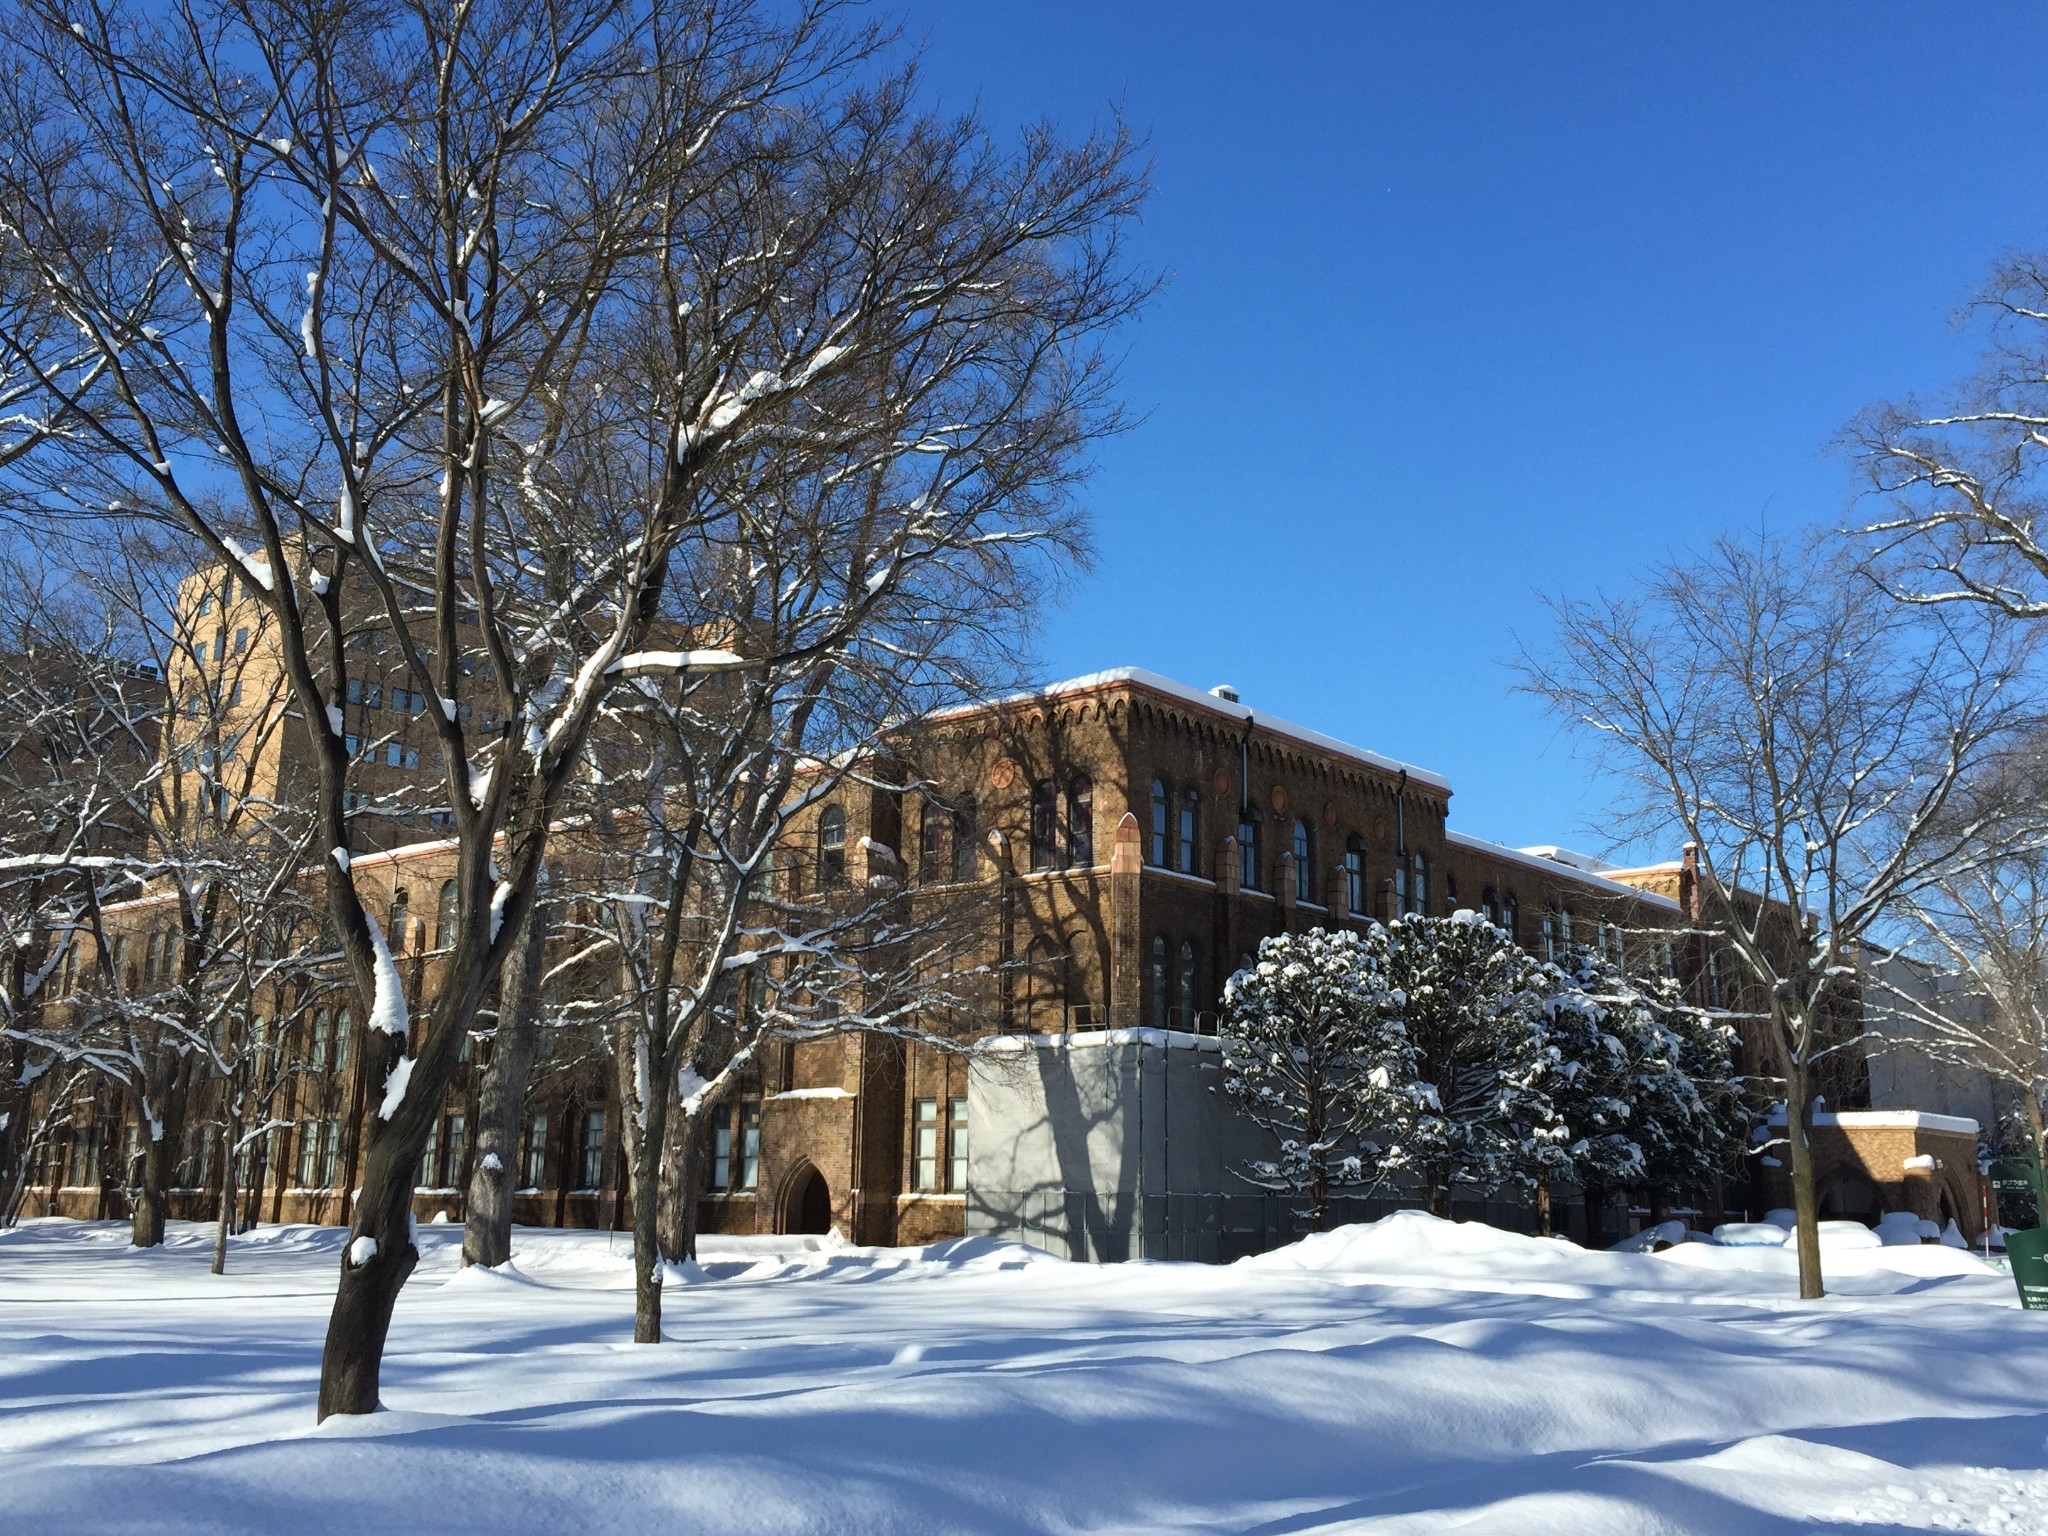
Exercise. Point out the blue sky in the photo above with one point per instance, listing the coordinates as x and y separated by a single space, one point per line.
1469 304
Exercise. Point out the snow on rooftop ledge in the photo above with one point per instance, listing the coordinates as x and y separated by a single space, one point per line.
1216 701
1566 857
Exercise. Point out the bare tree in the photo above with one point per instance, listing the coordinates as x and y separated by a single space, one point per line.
367 287
1966 986
1809 737
1962 480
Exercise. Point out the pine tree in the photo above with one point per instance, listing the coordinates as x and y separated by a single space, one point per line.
1609 1051
1691 1121
1469 1001
1313 1054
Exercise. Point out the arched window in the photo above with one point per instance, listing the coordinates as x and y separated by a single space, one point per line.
1304 862
1418 883
931 867
1160 1000
1564 928
121 962
401 920
1187 985
1081 820
342 1025
832 847
1511 916
966 858
1189 861
1550 947
323 1027
150 951
1248 862
1155 848
445 910
1489 906
1354 873
1045 825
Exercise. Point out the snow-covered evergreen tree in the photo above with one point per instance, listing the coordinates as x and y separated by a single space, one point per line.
1470 1002
1692 1122
1314 1054
1608 1049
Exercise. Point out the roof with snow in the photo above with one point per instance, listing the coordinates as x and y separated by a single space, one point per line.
1182 693
1577 871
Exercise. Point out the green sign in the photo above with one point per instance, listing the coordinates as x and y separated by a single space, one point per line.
2028 1252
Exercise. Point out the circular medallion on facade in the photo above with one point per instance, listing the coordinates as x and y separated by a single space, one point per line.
1003 774
1329 813
1379 829
1279 797
1219 783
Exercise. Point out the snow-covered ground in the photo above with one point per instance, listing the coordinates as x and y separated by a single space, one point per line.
1411 1376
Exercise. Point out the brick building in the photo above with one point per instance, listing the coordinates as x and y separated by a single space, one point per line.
1124 842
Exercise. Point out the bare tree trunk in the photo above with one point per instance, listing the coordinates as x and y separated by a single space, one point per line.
1438 1195
501 1102
682 1185
146 1210
1805 1206
1596 1215
1543 1202
229 1137
644 1145
371 1276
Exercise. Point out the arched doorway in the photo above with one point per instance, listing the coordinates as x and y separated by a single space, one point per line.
1851 1197
806 1202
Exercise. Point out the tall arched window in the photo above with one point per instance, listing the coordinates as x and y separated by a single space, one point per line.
1045 825
1489 906
150 951
966 857
1418 883
446 908
1248 862
1564 928
1189 859
1511 916
342 1025
1304 862
1354 873
1155 850
1187 985
1081 820
1160 999
322 1035
401 920
931 866
832 847
1550 946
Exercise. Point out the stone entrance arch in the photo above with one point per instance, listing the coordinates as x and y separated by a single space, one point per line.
806 1204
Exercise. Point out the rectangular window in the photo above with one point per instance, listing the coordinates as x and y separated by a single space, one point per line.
457 1139
591 1164
241 640
330 1153
355 690
394 754
353 744
956 1145
925 1142
721 1159
750 1146
533 1155
309 1153
430 1160
220 645
412 757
